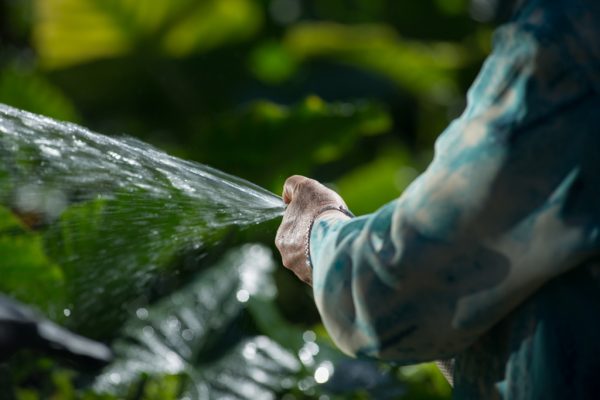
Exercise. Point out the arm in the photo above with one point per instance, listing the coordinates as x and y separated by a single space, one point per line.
488 223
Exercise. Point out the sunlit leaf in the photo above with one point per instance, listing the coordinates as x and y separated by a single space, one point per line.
213 24
74 31
425 381
68 32
272 63
416 66
265 133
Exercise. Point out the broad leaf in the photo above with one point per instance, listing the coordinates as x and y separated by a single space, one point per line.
69 32
266 133
196 334
418 67
113 251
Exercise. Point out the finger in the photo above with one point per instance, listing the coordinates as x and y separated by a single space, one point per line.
290 187
280 239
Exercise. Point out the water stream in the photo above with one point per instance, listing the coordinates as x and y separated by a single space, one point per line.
111 211
51 163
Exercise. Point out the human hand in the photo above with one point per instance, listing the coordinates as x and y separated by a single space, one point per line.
306 199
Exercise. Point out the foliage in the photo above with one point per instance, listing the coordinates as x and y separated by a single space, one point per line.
350 92
196 334
323 131
27 272
116 27
29 90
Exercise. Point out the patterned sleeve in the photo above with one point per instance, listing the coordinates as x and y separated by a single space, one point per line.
509 202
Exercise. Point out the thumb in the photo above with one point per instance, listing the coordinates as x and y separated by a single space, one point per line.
290 187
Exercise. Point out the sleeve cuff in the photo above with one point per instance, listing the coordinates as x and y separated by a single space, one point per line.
324 224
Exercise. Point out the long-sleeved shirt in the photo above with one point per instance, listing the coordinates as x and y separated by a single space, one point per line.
509 205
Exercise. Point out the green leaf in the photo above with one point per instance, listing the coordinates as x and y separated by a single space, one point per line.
372 185
419 67
272 63
32 92
27 273
425 381
452 7
191 334
69 32
265 133
113 251
213 24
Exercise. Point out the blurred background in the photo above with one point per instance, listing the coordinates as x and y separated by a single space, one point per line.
350 92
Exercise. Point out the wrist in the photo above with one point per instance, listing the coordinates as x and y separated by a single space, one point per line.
329 213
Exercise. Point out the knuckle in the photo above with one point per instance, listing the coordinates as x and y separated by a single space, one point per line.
293 181
307 187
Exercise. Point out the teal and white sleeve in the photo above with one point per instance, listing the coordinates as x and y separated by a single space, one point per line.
509 202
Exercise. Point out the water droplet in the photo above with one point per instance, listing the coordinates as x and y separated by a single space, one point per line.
309 336
312 347
187 334
287 383
114 155
324 372
148 330
115 378
321 375
305 384
242 295
50 151
28 198
141 313
305 356
172 323
249 351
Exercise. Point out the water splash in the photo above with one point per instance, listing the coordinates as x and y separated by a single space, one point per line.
46 163
111 213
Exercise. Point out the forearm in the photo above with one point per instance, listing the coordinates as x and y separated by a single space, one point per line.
381 290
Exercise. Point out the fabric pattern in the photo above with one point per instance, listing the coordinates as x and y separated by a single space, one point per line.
509 206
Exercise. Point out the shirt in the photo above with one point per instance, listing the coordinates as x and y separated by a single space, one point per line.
467 262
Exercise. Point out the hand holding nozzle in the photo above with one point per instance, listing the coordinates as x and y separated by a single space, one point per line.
306 200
